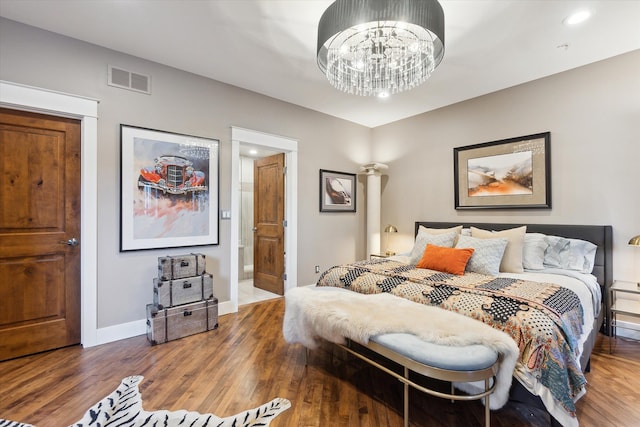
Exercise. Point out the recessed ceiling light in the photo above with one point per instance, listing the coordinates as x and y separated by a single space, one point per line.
577 17
383 94
253 152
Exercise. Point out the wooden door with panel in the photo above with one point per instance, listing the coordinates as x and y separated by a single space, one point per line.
39 233
268 217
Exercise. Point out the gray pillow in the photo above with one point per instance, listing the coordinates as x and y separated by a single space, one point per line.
424 238
487 254
512 257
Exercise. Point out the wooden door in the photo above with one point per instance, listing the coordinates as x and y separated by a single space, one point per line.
268 220
39 233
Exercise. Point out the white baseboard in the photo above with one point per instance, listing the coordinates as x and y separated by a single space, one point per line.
225 307
120 332
139 327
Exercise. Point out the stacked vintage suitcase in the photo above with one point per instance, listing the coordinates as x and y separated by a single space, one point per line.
183 301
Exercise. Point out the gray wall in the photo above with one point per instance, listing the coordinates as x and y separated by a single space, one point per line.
186 103
593 114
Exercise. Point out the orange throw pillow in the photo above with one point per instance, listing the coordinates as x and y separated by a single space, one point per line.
447 260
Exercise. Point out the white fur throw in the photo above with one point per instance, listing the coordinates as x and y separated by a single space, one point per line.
335 314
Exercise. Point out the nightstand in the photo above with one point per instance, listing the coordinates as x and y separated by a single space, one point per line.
621 305
372 256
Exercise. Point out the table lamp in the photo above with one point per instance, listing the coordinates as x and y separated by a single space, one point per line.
635 241
391 229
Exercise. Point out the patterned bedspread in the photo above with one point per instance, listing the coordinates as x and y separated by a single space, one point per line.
544 319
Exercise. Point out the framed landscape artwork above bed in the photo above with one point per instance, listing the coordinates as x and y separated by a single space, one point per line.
511 173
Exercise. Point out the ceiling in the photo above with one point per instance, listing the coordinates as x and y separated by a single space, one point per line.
269 46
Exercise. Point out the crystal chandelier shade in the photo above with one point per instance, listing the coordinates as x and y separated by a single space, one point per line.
196 150
378 47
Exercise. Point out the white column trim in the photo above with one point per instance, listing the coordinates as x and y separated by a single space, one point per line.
373 171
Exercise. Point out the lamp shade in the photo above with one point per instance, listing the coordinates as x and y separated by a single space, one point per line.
635 241
390 229
380 47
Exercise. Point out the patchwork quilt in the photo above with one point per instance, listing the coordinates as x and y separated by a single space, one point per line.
545 320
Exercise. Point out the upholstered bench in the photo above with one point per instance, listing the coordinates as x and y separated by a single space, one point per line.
455 364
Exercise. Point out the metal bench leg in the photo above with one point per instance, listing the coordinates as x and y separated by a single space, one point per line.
487 410
406 398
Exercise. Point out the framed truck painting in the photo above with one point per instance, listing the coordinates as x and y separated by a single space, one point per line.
511 173
168 189
337 191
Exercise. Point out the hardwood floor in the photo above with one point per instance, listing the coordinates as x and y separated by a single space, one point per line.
246 362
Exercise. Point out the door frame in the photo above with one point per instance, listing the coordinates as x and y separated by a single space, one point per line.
290 148
37 100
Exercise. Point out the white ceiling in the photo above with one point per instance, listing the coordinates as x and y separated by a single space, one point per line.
269 46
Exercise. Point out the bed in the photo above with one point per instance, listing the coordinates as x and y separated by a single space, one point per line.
555 351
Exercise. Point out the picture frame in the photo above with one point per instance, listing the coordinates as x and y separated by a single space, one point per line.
337 191
169 189
512 173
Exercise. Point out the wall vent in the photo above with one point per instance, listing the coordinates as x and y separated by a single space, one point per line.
124 79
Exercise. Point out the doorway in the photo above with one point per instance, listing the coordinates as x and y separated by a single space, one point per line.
244 140
28 98
250 272
39 233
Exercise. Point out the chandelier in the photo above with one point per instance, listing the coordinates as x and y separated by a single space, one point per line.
195 149
380 47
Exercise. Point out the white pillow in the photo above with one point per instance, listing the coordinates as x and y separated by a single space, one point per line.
570 254
487 254
582 255
512 258
552 255
533 251
423 238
